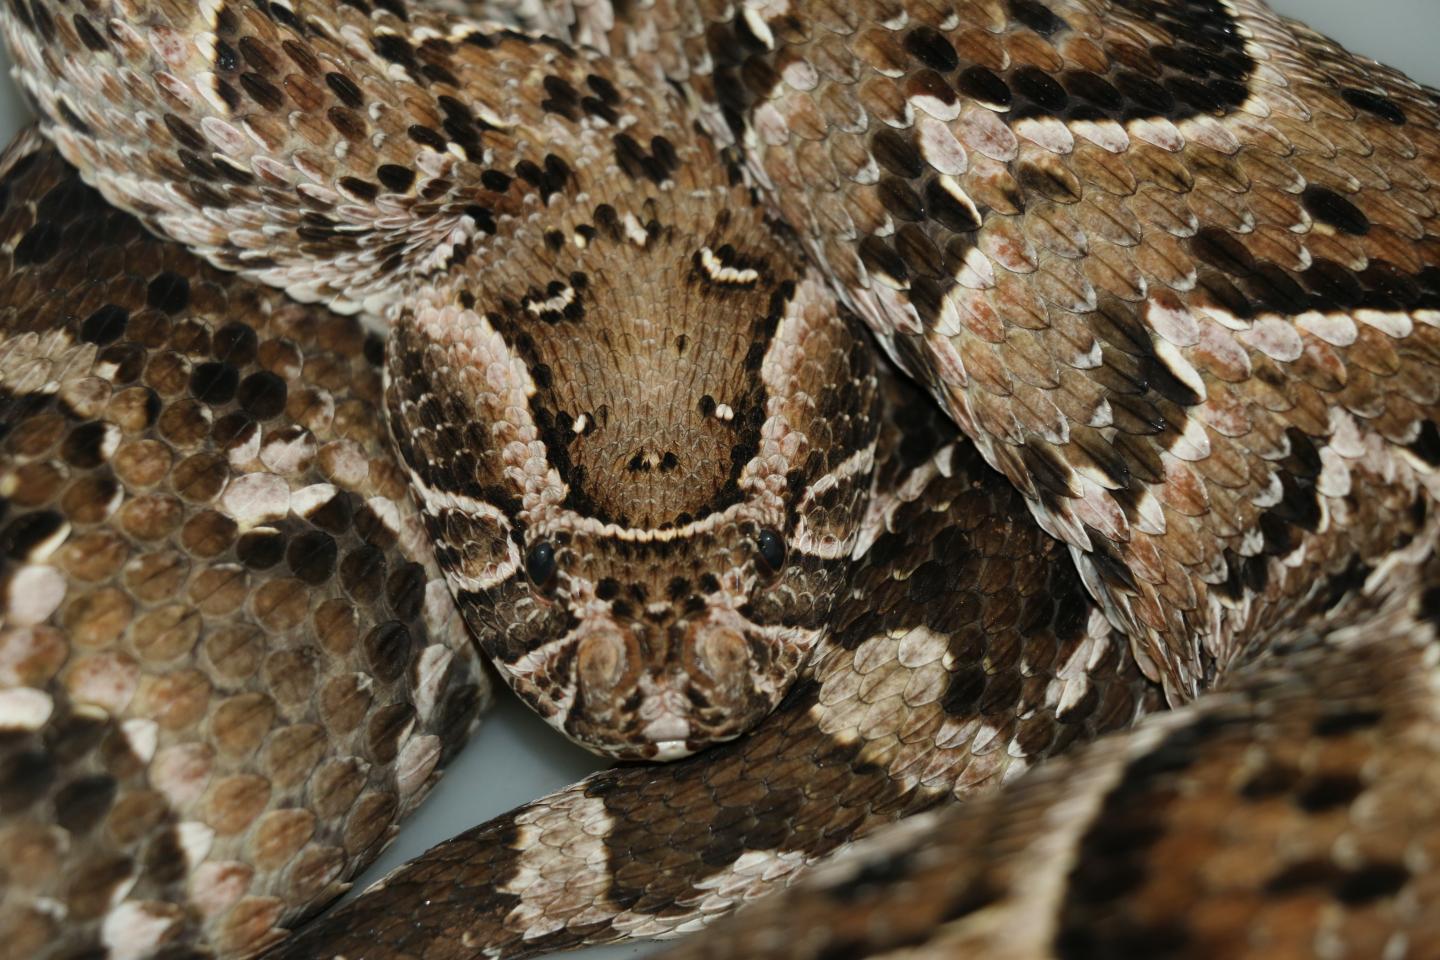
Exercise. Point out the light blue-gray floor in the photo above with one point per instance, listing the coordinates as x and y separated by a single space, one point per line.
515 757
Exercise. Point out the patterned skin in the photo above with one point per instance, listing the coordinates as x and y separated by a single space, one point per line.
1292 808
563 498
1151 256
1166 263
228 660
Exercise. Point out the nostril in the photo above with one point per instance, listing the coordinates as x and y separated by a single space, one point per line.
721 653
601 662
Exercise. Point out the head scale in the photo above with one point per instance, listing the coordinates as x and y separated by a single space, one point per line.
643 473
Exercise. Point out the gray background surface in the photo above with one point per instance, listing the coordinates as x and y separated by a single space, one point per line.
515 757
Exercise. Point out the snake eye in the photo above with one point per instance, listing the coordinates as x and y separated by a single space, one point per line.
540 563
771 548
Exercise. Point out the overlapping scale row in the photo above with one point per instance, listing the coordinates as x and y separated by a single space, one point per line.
228 662
965 650
350 153
1173 265
1293 807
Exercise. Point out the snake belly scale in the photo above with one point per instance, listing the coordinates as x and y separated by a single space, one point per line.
341 334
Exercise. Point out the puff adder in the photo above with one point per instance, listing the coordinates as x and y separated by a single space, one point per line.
553 327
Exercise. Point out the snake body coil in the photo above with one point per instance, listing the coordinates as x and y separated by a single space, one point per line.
560 336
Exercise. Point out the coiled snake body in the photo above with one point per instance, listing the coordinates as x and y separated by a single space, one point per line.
1166 269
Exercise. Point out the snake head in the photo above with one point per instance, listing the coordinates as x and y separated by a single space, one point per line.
664 640
646 542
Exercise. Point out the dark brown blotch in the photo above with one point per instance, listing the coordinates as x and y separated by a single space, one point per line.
39 244
879 257
395 178
405 590
88 34
1037 17
1327 206
1039 88
387 650
560 98
214 382
1374 881
949 211
265 94
983 84
1329 792
169 292
1375 104
262 395
311 556
81 803
896 153
260 549
427 137
932 49
84 446
901 200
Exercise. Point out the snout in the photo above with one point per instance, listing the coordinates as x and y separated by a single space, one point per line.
661 693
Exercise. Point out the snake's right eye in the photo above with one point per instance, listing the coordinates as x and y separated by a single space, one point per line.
540 564
770 546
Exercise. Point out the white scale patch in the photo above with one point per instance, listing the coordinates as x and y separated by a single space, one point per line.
634 232
42 363
142 736
256 499
1047 133
1336 329
307 500
414 765
430 671
134 929
555 304
754 874
939 147
885 698
24 709
195 840
241 454
827 546
181 772
722 272
755 20
33 594
551 837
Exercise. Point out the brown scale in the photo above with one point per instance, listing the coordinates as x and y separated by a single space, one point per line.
345 154
225 668
646 414
963 616
1293 807
1093 229
1062 240
416 168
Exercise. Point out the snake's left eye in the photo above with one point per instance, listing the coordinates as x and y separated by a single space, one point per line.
540 563
771 548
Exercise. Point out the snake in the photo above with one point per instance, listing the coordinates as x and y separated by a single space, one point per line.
969 463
